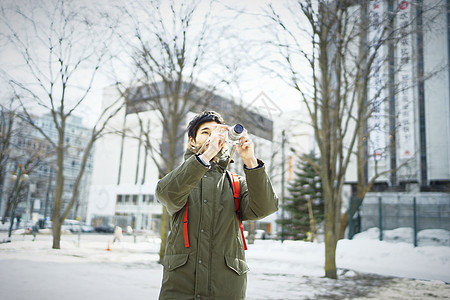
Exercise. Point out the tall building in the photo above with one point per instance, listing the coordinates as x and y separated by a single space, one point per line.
408 135
77 136
30 149
410 130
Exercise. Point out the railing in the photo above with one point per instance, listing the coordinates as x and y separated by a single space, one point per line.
391 211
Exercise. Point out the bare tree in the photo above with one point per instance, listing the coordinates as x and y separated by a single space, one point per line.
326 99
61 50
6 132
330 60
174 51
18 146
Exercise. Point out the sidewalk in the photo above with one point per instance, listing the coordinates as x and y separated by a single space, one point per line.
84 269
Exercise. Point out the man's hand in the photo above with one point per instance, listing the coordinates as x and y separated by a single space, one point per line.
215 142
246 150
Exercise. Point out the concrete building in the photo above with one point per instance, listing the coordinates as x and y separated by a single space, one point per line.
125 172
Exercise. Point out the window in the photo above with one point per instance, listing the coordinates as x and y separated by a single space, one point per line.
135 197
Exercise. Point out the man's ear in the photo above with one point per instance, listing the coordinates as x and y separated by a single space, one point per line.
192 142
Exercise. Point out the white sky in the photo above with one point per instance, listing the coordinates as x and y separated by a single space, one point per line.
253 80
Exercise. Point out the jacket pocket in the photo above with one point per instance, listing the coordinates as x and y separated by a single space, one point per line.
171 262
237 265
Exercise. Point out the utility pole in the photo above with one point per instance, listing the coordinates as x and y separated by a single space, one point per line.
283 140
48 195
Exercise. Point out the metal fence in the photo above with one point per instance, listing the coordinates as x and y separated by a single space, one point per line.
388 211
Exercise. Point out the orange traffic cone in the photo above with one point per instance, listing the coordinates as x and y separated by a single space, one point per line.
108 249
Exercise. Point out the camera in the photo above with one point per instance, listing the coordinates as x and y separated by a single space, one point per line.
235 133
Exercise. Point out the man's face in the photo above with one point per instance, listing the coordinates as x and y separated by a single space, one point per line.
203 133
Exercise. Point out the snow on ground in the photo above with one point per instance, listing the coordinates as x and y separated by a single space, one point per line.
368 268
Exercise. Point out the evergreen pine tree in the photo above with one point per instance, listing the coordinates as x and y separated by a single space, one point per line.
305 185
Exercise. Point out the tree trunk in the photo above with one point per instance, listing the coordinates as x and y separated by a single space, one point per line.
330 225
56 230
330 252
7 210
56 226
330 233
312 222
251 232
343 224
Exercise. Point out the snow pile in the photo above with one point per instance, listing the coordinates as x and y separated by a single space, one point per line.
427 237
295 269
362 254
396 254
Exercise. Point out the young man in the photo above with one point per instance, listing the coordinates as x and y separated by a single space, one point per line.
205 259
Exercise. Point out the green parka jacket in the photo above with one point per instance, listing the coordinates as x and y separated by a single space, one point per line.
214 266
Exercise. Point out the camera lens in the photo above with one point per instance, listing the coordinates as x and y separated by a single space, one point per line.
236 132
238 128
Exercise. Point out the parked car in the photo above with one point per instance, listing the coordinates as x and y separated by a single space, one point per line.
104 228
71 225
87 228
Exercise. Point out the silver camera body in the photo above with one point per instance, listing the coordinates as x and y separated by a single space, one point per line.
235 132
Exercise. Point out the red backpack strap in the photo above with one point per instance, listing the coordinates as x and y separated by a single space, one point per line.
236 185
185 224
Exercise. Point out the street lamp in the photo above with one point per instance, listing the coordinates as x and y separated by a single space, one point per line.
21 176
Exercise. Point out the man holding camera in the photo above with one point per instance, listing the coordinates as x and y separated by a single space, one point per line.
204 257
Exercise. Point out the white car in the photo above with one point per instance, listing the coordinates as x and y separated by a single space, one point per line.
71 225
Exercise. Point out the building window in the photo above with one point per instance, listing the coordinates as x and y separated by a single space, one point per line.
148 199
135 197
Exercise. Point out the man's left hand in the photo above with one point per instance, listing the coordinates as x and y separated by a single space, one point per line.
246 150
